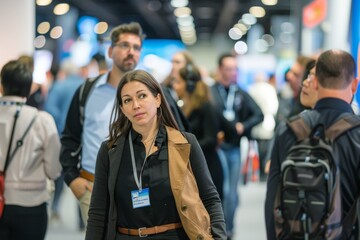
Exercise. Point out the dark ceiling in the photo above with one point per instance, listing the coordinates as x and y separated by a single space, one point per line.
158 20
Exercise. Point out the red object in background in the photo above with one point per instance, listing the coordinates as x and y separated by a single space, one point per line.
251 168
314 13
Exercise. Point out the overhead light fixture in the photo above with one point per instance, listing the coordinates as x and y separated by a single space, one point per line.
249 19
269 2
179 3
43 27
43 2
61 8
257 11
182 12
101 27
56 32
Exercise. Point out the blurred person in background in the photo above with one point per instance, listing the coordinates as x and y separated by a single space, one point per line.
240 111
289 105
28 165
309 95
194 100
97 65
38 91
179 60
57 104
264 94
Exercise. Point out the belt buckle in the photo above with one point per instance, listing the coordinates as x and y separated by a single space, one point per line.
140 232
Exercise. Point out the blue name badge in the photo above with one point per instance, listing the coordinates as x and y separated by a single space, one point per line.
140 198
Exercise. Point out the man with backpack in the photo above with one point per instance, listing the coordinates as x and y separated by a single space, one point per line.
84 132
314 178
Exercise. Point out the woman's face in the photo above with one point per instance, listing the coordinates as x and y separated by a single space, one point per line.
139 105
179 85
309 95
178 62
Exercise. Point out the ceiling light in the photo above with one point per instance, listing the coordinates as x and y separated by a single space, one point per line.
61 9
185 21
269 2
240 47
269 39
182 12
249 19
101 27
39 41
242 27
179 3
43 2
43 27
257 11
56 32
235 33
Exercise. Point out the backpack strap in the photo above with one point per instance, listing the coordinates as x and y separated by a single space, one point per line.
85 90
299 127
341 126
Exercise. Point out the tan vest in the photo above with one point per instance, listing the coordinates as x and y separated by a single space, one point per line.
193 214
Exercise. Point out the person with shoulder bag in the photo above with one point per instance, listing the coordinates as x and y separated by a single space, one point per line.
28 157
150 178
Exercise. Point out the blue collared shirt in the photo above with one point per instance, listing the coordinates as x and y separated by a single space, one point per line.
97 119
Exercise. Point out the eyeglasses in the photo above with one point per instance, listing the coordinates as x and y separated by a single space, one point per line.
308 79
126 46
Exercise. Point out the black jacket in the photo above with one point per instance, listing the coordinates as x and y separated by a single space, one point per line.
246 111
326 111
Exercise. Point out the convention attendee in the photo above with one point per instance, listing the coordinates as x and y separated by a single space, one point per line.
179 60
84 131
289 105
335 83
29 155
240 111
308 94
194 100
126 43
151 179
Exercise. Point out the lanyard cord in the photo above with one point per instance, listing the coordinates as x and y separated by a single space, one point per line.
228 98
138 180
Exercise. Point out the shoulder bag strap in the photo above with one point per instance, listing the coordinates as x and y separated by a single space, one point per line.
19 142
8 158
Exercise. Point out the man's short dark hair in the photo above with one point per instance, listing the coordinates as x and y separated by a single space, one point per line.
225 55
16 79
335 69
132 27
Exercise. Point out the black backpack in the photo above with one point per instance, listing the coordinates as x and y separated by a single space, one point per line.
308 200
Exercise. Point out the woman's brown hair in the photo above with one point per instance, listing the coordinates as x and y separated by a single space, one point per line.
121 124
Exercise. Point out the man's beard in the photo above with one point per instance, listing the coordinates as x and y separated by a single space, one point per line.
126 66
